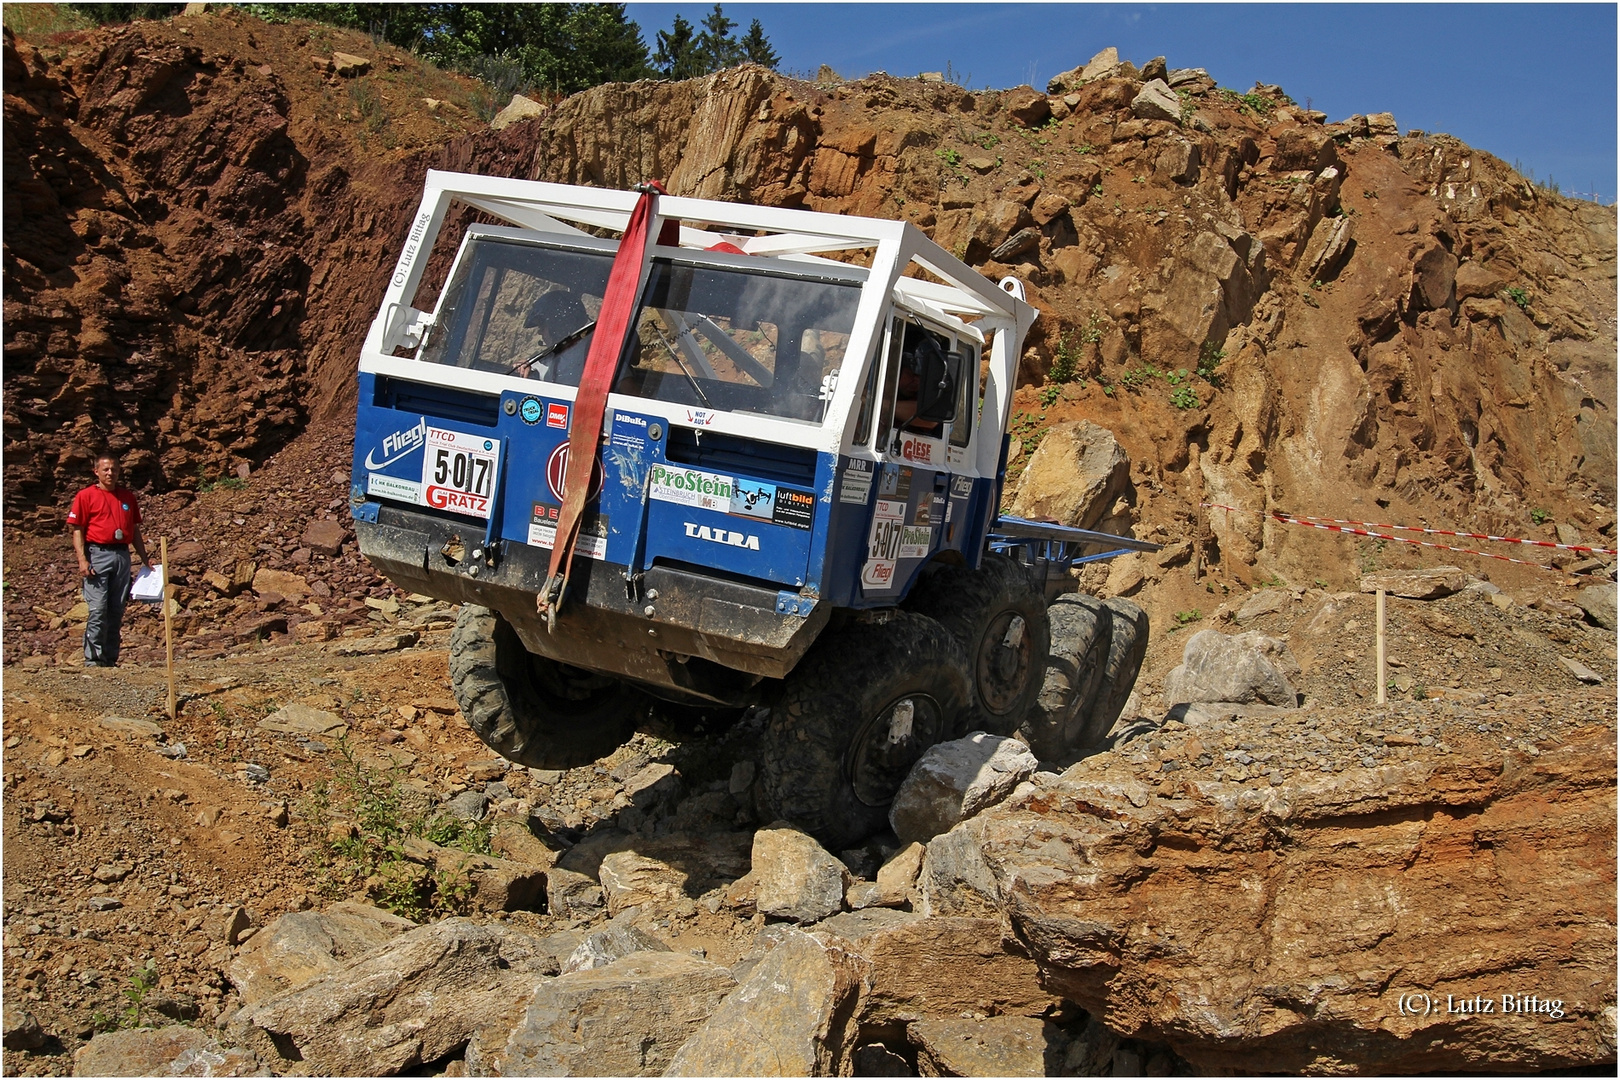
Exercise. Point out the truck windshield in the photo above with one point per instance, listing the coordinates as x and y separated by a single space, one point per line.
706 336
739 340
521 309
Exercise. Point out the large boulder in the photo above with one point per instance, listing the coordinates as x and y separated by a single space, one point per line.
625 1019
22 1030
1433 584
1300 929
1156 101
1598 603
954 780
406 1003
1239 668
176 1050
1105 65
519 108
609 945
793 1015
1074 477
304 944
940 966
795 877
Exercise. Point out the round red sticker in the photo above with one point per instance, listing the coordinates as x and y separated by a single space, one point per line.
557 469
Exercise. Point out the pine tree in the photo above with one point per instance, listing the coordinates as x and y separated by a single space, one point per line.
677 55
716 46
757 49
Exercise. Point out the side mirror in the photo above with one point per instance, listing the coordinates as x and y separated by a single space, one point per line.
940 373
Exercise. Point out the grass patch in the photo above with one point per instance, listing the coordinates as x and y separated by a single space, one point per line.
360 821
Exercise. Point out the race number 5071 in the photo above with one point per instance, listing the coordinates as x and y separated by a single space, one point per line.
458 472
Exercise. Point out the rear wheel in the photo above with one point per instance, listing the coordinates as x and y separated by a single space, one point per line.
1055 727
1127 645
531 709
854 717
998 615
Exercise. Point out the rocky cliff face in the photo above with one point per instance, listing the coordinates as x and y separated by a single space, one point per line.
201 223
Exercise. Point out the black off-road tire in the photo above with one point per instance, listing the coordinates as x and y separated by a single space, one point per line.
1128 642
980 608
829 763
531 709
1055 727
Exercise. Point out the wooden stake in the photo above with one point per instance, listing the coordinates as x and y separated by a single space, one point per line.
1383 674
168 619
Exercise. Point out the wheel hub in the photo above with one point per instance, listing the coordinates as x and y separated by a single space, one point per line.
1002 667
890 744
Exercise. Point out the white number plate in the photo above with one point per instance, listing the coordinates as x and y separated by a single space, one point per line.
458 472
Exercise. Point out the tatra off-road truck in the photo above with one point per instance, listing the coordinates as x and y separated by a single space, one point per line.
723 456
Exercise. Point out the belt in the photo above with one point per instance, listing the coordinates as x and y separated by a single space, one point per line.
110 547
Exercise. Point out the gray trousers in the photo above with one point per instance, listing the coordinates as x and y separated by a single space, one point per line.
106 591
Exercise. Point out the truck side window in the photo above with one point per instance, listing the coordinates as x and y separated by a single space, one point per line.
967 399
891 379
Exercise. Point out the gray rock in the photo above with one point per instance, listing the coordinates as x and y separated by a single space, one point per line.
742 778
897 878
605 946
468 806
1242 668
795 877
168 1051
305 944
1580 671
954 780
955 880
1264 602
410 1001
1155 68
625 1019
1104 65
22 1031
497 884
631 879
107 873
1382 125
1432 584
519 108
1156 101
131 724
1187 77
569 894
1017 244
1598 601
1178 162
985 1046
792 1016
296 719
1329 245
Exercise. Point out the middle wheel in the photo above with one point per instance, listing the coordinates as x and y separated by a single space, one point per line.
854 717
998 614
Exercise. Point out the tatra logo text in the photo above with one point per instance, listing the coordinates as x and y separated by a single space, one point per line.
398 445
722 536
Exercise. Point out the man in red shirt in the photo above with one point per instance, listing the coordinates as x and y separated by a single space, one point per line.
105 520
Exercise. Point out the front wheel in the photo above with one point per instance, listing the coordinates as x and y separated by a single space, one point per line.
531 709
854 717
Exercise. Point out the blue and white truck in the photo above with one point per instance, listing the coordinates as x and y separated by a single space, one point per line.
723 455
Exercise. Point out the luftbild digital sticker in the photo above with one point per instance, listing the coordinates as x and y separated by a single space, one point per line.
793 508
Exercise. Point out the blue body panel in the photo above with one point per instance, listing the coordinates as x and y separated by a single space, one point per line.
644 507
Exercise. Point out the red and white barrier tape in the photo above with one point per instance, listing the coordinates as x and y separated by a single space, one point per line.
1342 526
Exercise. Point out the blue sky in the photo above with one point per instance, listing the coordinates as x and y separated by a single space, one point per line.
1531 83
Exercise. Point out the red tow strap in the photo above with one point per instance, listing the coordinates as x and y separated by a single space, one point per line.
590 404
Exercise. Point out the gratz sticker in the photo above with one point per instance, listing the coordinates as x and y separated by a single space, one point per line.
458 472
793 508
